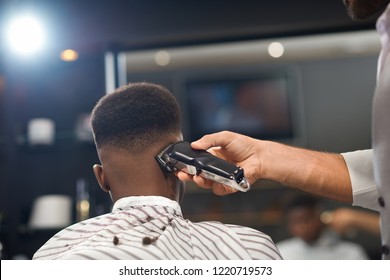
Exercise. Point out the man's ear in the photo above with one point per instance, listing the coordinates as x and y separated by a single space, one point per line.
99 174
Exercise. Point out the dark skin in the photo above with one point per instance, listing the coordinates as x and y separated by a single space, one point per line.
124 174
305 223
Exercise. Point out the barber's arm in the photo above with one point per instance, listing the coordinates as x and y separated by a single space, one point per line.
318 173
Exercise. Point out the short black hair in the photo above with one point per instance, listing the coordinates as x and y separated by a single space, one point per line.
302 201
135 116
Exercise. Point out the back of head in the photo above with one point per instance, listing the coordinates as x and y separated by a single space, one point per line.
134 117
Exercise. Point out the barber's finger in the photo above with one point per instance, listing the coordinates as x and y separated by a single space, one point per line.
221 139
219 189
184 176
202 182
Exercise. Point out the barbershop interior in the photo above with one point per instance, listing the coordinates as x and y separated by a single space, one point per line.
304 67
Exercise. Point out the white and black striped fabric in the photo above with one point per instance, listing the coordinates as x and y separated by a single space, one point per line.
153 228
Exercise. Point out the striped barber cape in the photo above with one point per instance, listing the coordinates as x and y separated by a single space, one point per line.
153 228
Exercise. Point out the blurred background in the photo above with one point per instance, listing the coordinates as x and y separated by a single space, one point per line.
300 72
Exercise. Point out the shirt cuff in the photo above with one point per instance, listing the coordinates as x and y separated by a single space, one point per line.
361 172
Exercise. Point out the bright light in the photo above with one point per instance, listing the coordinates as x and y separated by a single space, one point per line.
69 55
162 58
275 49
25 35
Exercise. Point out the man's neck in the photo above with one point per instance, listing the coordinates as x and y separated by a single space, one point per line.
136 175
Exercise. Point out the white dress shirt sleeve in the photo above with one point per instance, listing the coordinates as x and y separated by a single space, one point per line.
361 172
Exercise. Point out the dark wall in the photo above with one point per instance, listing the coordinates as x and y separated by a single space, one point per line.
61 92
338 97
2 156
92 26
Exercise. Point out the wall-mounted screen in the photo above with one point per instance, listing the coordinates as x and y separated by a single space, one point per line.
258 106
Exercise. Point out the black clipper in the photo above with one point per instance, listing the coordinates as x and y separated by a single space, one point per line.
181 156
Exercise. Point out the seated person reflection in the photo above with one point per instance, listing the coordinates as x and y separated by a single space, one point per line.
311 239
131 126
347 220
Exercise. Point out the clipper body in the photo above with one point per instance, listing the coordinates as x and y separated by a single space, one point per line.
181 156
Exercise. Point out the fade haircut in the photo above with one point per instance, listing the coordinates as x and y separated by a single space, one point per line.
134 117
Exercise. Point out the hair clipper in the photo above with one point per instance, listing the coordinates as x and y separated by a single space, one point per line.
181 156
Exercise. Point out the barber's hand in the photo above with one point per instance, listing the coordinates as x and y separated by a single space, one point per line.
235 148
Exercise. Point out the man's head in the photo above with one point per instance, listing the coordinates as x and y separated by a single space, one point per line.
130 126
362 9
135 117
303 218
